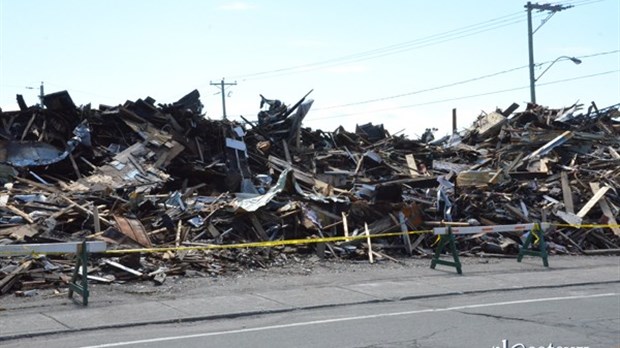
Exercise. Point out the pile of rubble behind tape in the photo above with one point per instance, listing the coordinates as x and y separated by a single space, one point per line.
145 175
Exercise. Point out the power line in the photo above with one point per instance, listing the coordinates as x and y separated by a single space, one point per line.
422 90
435 39
451 84
397 48
579 2
467 96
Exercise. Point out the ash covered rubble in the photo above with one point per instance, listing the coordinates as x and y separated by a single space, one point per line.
144 175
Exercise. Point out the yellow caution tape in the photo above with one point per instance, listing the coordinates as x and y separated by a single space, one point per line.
536 236
265 244
301 241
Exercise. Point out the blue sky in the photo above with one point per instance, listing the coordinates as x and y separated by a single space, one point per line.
105 52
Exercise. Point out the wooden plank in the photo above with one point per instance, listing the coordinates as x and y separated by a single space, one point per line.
557 141
614 154
516 211
7 282
75 167
62 211
260 231
4 199
449 166
567 194
177 240
345 225
417 242
595 187
413 167
18 233
123 267
597 196
199 148
287 153
370 257
213 230
50 248
404 229
569 218
134 230
16 211
96 223
321 247
84 210
476 178
25 132
490 123
382 255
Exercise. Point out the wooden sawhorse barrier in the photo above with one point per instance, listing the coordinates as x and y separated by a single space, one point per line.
447 235
79 280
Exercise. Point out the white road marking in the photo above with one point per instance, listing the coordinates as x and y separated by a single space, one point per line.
362 317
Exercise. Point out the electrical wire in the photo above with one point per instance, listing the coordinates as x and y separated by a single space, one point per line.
422 90
405 49
466 97
435 39
576 3
473 29
452 84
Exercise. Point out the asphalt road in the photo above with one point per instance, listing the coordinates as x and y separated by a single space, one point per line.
586 316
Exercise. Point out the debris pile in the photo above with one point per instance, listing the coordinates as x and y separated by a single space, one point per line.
145 175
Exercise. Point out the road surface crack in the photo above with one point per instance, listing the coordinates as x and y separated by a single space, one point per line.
499 317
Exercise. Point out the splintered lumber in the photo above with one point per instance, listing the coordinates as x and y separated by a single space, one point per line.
405 230
597 196
557 141
260 231
96 223
123 268
413 167
157 192
567 194
20 232
370 257
345 225
133 229
18 212
611 220
9 280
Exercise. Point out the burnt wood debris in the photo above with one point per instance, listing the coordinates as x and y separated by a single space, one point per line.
149 175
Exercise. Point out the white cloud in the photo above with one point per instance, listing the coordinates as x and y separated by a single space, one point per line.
237 6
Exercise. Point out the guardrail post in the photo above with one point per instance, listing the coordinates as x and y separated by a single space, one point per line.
448 239
536 236
81 262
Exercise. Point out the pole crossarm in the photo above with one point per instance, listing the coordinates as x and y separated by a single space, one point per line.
552 8
547 7
222 85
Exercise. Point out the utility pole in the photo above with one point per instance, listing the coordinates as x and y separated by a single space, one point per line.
222 87
552 9
41 94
